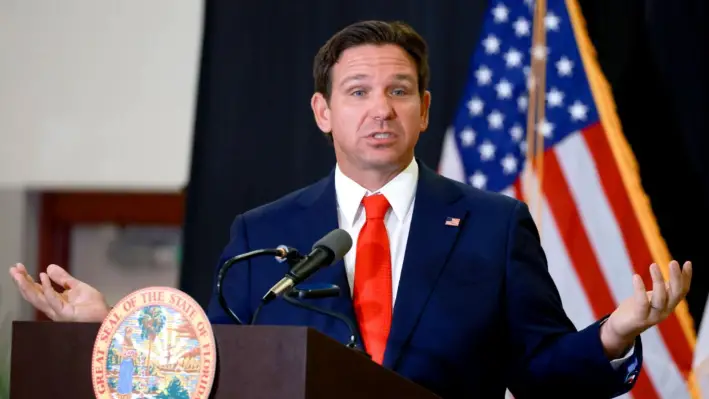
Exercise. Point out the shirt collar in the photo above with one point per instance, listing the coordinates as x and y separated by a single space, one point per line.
399 192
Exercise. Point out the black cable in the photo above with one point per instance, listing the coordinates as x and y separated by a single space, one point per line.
225 268
258 309
353 339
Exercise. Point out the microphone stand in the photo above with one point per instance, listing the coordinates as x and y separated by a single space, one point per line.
352 344
353 339
277 252
291 259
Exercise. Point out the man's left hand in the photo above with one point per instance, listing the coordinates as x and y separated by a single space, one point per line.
645 308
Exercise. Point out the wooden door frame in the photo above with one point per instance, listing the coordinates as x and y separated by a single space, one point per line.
60 211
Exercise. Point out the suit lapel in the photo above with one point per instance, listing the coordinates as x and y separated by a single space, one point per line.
319 217
429 243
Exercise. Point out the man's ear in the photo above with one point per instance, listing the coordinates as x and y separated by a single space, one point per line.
321 111
425 108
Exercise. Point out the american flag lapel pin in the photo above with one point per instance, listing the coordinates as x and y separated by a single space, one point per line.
452 221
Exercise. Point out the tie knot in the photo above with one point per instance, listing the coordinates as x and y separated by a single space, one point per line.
375 206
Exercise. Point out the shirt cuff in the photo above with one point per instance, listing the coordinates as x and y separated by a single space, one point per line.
616 363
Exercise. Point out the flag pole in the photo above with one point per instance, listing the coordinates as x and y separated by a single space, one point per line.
536 82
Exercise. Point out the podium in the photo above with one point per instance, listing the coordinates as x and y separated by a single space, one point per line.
53 360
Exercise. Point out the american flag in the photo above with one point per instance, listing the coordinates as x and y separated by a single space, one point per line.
583 188
452 221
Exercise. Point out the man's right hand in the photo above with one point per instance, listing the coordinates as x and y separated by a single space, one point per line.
79 302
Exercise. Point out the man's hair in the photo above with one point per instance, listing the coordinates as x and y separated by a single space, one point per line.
370 32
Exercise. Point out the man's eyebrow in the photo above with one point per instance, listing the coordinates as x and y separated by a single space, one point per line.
405 77
359 76
401 77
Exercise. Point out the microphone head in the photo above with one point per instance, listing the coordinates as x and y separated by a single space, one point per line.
338 242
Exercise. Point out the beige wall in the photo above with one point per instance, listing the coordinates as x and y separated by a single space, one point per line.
118 261
98 93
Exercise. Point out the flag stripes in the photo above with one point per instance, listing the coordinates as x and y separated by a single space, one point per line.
595 222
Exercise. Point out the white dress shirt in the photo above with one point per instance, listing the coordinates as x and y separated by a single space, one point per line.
400 192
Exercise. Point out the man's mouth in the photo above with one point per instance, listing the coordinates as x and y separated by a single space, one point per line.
381 135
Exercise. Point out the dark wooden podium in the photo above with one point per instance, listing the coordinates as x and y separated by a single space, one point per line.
53 360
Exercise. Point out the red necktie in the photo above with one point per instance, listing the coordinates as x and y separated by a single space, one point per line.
372 294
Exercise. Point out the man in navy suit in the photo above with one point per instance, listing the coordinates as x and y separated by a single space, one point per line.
462 303
448 284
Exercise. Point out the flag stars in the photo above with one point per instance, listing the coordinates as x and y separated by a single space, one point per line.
564 66
551 21
501 88
487 150
522 27
501 13
578 111
478 180
467 137
475 106
516 132
504 89
522 103
509 164
495 119
491 44
555 98
483 75
513 58
546 128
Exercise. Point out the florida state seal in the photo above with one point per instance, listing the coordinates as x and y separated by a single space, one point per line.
155 343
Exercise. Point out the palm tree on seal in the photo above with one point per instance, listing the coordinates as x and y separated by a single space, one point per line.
151 322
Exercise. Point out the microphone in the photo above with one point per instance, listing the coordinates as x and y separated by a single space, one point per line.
311 291
315 291
328 250
282 254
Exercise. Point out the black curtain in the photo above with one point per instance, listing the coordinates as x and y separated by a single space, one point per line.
654 54
255 137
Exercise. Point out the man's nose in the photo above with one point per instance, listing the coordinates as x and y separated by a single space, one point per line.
382 108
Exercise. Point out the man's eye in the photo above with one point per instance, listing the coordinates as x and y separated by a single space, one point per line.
358 93
399 92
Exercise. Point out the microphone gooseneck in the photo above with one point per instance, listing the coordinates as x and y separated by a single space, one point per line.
354 337
319 291
282 252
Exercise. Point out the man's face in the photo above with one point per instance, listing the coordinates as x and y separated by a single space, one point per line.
375 112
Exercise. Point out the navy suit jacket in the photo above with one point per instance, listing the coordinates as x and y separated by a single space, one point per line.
476 309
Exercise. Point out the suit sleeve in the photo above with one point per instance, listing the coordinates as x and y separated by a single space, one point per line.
548 356
235 286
